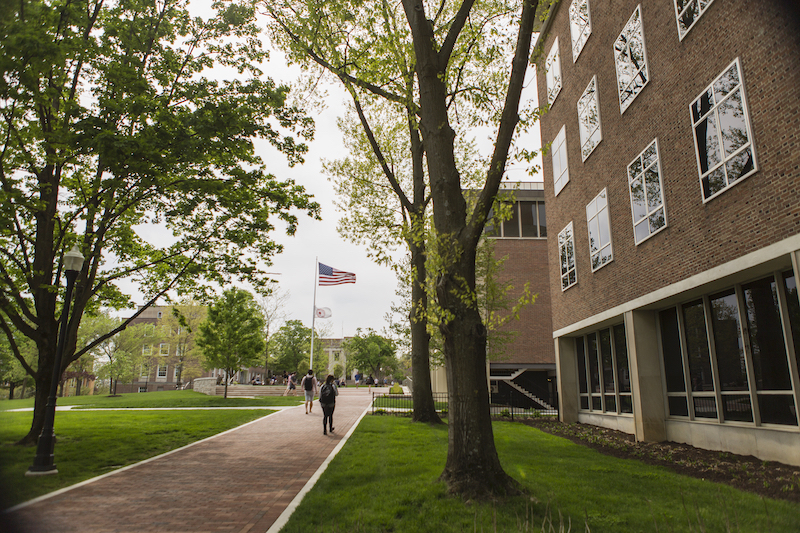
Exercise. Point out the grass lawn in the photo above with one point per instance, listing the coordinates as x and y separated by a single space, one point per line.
92 443
178 398
400 461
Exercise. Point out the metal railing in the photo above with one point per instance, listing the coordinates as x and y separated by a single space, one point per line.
403 404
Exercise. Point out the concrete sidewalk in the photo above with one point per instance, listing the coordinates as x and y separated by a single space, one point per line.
239 481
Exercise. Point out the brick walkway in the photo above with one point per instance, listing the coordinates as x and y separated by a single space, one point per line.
240 481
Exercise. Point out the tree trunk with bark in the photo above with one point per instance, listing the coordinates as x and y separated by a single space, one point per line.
473 468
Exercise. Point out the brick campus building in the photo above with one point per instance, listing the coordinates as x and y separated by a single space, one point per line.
673 198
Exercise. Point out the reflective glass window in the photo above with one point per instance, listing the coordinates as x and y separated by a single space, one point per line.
553 72
647 193
705 406
722 133
777 409
697 348
671 348
687 12
566 246
794 311
770 362
589 119
528 212
594 368
511 226
631 60
737 407
542 219
728 342
678 406
581 352
580 25
621 352
560 166
608 360
599 224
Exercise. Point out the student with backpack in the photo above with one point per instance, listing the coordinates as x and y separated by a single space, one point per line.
309 384
327 399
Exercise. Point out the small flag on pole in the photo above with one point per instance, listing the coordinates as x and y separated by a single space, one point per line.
331 276
323 312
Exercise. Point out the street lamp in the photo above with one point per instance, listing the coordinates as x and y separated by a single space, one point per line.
43 462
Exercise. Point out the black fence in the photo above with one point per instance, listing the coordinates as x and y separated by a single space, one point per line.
403 403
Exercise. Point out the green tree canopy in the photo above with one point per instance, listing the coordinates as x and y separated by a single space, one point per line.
291 348
372 353
231 337
111 120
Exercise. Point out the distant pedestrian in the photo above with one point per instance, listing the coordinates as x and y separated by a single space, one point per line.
327 399
309 385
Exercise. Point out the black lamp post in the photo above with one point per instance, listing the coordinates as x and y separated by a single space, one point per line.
43 462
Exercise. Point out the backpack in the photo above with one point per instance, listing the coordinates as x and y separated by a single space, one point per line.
308 383
326 394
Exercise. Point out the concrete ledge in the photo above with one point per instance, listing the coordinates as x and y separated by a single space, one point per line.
625 424
205 385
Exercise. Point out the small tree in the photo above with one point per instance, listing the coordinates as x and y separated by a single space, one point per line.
179 328
121 355
231 337
373 352
292 344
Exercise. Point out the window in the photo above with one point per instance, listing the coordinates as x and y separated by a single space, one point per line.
647 194
526 219
149 330
631 60
144 370
589 119
553 72
160 314
142 389
566 248
147 350
706 336
163 349
580 26
162 371
603 375
687 12
722 134
560 167
599 231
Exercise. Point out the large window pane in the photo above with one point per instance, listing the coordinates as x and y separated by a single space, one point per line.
728 342
629 58
697 348
737 407
581 351
621 351
777 409
625 403
528 219
594 375
794 311
511 226
608 360
542 220
705 407
766 335
580 25
671 347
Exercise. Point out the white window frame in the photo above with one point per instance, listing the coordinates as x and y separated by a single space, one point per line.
162 374
639 172
142 389
633 30
588 103
553 72
566 244
147 350
596 213
576 26
714 110
687 5
161 349
559 154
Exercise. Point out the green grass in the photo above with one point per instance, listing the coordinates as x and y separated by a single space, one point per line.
181 398
399 402
93 443
401 461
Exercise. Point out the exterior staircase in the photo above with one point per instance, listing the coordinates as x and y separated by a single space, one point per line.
252 391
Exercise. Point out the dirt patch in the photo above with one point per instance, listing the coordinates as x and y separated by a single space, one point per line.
765 478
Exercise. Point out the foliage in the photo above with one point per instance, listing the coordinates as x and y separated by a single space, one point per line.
119 358
231 336
564 479
12 373
111 121
291 348
272 306
93 443
370 352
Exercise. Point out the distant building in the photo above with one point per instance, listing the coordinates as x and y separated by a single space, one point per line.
673 197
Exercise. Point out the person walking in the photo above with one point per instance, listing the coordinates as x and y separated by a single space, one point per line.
309 385
327 399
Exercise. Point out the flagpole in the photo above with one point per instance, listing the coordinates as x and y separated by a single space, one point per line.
314 312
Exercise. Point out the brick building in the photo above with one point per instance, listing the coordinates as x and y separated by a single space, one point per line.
673 198
522 372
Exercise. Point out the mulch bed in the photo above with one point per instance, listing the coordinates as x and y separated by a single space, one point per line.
765 478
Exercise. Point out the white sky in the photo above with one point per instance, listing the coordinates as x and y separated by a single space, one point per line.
360 305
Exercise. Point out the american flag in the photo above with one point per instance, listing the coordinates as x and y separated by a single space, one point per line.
331 276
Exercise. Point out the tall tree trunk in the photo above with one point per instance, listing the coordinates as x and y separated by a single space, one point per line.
11 387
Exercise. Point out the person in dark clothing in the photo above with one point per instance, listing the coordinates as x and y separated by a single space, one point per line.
327 399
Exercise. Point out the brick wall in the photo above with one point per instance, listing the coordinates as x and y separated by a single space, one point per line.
760 210
526 261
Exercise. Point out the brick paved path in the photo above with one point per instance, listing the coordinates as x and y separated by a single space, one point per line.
240 481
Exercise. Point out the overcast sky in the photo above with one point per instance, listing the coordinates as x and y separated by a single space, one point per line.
360 305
